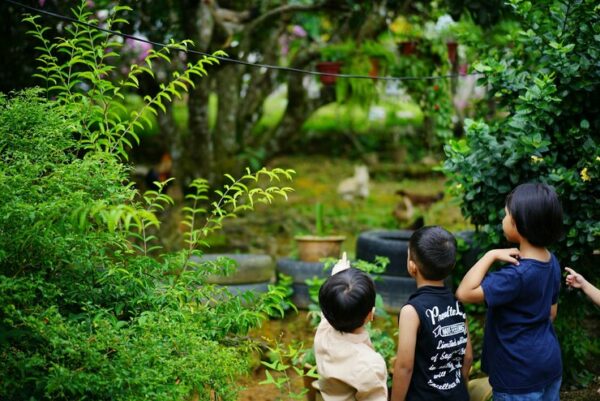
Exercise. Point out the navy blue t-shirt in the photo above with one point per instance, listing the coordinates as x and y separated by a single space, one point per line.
521 353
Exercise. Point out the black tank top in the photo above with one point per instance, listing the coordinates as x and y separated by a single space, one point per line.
440 348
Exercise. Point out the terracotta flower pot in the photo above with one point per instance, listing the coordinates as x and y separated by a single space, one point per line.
408 48
312 248
329 67
374 71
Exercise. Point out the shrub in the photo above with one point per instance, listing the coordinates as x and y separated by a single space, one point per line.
90 308
548 84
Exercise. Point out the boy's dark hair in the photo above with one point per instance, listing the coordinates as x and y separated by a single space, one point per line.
537 212
346 298
433 250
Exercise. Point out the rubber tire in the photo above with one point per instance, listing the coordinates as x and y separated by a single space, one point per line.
257 288
472 254
300 296
251 268
395 291
392 244
301 271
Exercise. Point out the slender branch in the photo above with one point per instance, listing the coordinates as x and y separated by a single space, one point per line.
288 8
562 31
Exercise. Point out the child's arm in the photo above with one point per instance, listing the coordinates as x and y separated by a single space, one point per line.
341 264
470 289
553 312
576 280
405 357
468 359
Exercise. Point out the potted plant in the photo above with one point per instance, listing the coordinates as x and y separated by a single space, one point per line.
312 248
406 34
378 54
448 30
333 57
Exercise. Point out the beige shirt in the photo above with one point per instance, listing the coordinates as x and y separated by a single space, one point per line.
348 366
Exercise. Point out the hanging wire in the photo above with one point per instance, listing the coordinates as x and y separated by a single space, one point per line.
235 61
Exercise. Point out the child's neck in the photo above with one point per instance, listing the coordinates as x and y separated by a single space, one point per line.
422 282
361 329
529 251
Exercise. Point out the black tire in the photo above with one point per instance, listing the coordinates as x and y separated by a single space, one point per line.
251 268
257 288
395 291
300 296
392 244
471 255
301 271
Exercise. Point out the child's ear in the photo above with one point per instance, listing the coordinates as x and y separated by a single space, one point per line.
412 268
371 316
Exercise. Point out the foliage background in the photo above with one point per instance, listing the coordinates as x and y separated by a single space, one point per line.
548 86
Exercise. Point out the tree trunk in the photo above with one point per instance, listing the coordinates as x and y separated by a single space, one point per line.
298 109
226 149
194 156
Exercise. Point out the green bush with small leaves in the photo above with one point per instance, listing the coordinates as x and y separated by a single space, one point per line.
548 84
90 306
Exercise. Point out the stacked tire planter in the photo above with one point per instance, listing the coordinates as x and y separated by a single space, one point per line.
395 284
254 272
301 271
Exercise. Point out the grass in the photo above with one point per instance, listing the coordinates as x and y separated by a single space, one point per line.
271 228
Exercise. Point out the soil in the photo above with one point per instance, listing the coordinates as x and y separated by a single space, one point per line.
589 394
297 327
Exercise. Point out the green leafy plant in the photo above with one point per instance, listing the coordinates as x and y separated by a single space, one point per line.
90 306
338 51
548 89
283 360
319 230
302 360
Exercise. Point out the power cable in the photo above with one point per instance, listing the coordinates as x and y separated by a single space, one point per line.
230 60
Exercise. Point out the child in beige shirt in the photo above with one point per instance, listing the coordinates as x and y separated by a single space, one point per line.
348 366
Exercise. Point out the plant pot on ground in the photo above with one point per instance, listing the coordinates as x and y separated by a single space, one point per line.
312 248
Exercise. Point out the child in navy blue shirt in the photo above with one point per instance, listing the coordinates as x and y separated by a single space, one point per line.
521 353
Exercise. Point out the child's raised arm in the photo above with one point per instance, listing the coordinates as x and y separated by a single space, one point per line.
405 357
576 280
341 264
470 290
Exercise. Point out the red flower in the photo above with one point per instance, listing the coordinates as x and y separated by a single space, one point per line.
436 88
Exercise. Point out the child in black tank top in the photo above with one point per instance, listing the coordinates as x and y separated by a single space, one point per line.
434 350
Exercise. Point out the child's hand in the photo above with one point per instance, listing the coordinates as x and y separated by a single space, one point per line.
574 279
342 264
510 255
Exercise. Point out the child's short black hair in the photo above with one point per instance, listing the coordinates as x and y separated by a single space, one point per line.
433 250
537 212
346 298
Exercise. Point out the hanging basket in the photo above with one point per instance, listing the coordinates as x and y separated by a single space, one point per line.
374 71
329 67
452 51
408 48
